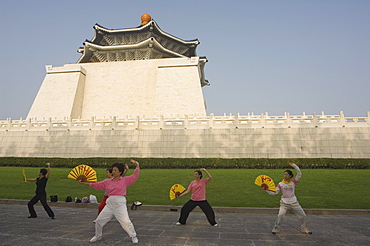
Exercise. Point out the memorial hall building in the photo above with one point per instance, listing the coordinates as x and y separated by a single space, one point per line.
137 93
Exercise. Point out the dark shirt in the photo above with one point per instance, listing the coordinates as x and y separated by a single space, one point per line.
41 184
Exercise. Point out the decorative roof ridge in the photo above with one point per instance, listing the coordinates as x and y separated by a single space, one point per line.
148 42
100 27
150 24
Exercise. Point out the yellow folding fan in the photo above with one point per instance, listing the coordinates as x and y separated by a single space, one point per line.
176 191
84 173
266 182
24 175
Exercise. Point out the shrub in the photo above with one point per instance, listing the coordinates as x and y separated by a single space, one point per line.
186 163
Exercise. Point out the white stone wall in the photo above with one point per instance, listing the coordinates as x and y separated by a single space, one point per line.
305 136
61 93
147 88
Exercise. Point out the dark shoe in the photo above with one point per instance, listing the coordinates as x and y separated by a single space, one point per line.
307 232
30 217
53 218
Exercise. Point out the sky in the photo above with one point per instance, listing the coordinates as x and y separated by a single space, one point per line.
271 56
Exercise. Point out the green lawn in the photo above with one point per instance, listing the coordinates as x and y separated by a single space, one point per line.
318 188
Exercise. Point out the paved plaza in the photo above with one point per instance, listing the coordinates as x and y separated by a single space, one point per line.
73 225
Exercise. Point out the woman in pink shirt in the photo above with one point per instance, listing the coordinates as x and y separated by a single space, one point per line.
115 189
289 200
198 198
104 200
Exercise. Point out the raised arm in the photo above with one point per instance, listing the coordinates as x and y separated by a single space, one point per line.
136 163
299 173
47 174
208 174
125 171
132 178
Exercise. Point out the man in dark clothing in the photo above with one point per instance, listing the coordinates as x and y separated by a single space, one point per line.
40 193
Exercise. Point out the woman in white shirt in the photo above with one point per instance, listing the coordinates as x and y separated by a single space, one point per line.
289 200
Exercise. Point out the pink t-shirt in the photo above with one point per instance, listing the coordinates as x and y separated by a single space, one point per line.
198 189
116 187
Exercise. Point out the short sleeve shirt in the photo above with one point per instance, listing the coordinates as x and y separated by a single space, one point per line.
198 189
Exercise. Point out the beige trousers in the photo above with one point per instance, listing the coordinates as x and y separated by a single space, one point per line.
116 206
297 210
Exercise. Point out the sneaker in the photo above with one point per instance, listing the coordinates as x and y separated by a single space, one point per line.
274 230
134 240
95 238
30 217
215 225
178 223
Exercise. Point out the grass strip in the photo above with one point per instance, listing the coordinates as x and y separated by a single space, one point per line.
318 188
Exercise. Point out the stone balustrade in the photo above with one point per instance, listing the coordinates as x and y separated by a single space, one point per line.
188 122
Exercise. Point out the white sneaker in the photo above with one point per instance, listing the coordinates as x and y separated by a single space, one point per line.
215 225
95 238
178 223
274 230
134 240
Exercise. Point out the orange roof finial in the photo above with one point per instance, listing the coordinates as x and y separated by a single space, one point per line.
145 18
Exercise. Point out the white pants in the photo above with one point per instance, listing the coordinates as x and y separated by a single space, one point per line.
116 205
297 210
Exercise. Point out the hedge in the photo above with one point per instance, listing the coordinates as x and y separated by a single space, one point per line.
191 163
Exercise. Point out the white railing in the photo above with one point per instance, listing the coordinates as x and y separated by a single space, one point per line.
186 122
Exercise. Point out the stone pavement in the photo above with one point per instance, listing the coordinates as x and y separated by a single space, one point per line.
74 226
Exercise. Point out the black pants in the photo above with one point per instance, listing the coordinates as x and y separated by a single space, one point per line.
204 205
42 199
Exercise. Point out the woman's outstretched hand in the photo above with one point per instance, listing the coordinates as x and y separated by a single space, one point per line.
82 182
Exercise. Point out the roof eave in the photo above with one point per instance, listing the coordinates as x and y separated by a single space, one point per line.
90 47
98 28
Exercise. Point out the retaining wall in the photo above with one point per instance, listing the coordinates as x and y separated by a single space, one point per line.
234 136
